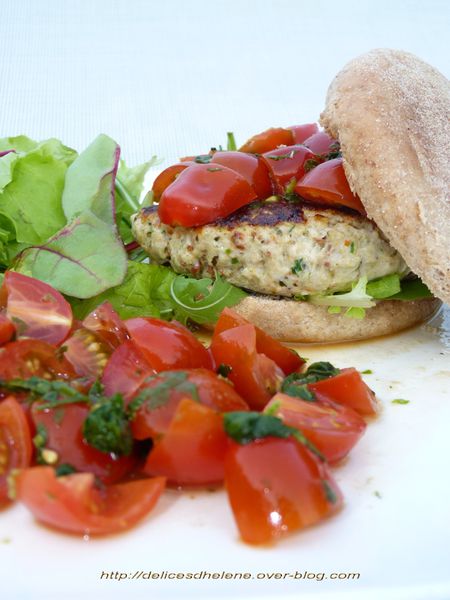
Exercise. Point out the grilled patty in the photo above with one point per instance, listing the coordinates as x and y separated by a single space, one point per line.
278 248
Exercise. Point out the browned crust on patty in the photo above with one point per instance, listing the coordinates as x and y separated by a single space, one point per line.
390 112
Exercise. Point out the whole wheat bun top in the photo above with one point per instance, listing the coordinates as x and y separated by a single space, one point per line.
391 113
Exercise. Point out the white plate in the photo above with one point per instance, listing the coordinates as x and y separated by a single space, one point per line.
394 529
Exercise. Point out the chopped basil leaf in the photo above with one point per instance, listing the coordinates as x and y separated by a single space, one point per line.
107 427
400 401
64 469
298 266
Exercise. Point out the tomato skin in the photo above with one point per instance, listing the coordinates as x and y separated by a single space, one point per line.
64 428
268 140
41 311
327 184
73 504
348 389
16 447
192 450
320 142
288 360
255 376
303 132
126 371
275 486
167 346
7 330
107 325
202 194
24 358
168 176
333 428
210 390
251 167
286 164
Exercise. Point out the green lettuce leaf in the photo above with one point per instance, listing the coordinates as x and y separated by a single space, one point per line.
384 287
7 162
19 143
412 289
358 297
153 290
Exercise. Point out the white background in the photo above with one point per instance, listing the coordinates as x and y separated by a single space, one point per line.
171 78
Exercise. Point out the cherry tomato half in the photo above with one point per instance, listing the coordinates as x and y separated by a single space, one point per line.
73 503
347 388
287 165
303 132
203 193
255 376
87 353
251 167
268 140
64 435
166 345
167 390
333 428
288 360
167 177
192 450
107 325
275 485
7 330
25 358
327 184
38 310
320 142
16 448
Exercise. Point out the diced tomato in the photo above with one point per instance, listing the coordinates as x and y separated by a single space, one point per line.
73 503
268 140
303 132
333 428
203 193
16 448
276 485
64 435
7 330
87 353
107 325
168 176
327 184
38 310
288 164
251 167
349 389
255 376
320 142
25 358
168 346
125 371
170 387
288 360
192 450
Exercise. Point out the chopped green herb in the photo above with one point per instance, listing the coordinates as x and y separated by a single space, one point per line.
329 492
52 393
298 266
234 261
224 370
352 247
367 372
309 164
107 427
64 469
377 494
288 155
214 169
400 401
289 191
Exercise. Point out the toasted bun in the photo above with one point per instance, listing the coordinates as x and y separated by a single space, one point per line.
390 112
293 321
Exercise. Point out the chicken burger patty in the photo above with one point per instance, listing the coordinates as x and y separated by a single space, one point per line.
274 247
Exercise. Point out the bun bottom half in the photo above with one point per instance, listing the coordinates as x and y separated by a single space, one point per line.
294 321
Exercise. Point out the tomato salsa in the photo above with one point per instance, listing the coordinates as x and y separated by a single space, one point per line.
98 417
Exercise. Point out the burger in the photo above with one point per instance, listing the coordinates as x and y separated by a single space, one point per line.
352 257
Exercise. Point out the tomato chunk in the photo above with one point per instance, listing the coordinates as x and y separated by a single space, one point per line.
255 376
289 164
125 371
303 132
349 389
251 167
192 450
327 184
63 430
203 193
87 353
320 142
166 345
288 360
333 428
73 503
7 330
167 390
38 310
25 358
16 448
274 486
268 140
107 325
167 177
